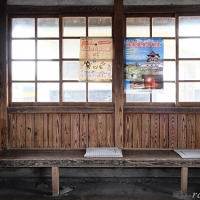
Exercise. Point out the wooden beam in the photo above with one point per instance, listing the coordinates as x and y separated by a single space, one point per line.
118 71
55 181
3 75
184 180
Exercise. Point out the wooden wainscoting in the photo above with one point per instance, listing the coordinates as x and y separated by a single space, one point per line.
153 130
61 130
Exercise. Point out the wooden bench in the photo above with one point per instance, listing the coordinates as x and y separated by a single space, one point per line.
75 158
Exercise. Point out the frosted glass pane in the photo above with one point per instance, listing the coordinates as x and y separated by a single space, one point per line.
74 26
138 27
70 70
189 26
48 49
100 26
48 70
48 92
22 70
189 48
189 70
167 94
23 92
74 92
169 71
23 49
163 27
23 27
100 92
169 49
71 48
48 27
189 92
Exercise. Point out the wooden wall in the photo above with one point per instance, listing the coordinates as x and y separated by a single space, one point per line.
60 130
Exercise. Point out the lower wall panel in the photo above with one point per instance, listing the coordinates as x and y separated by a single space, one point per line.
152 130
162 131
60 130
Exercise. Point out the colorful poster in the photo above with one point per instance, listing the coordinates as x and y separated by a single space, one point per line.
95 70
96 59
96 49
143 60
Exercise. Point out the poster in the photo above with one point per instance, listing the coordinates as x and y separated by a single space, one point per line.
95 70
96 59
143 60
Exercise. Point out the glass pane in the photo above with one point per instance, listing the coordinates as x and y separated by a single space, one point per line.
48 27
74 26
189 48
169 49
74 92
48 92
169 71
189 70
164 95
137 96
71 48
189 26
138 27
48 70
100 92
23 92
23 70
100 26
189 92
23 49
70 70
23 27
163 27
48 49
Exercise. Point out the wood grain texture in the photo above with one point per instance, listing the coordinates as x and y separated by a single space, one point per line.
173 131
190 131
155 128
84 132
182 131
137 130
75 132
164 131
101 130
145 130
29 131
66 131
93 136
110 130
128 132
39 131
197 134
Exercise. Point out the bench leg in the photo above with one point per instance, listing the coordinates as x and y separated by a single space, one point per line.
184 180
55 181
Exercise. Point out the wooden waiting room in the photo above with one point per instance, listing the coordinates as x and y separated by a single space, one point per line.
49 114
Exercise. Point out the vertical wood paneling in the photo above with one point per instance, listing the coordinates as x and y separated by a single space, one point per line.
12 130
173 131
164 131
137 128
50 131
75 133
56 131
66 131
83 130
39 131
197 126
110 132
45 128
101 130
155 135
182 131
191 131
20 131
128 136
145 130
93 130
29 130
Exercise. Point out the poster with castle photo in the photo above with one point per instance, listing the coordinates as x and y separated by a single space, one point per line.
143 60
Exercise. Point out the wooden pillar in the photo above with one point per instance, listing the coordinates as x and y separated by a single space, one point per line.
3 75
118 71
184 180
55 181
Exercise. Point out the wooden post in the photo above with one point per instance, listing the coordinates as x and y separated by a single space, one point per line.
118 71
184 180
3 75
55 181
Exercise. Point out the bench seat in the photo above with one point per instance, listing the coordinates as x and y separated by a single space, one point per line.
75 158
